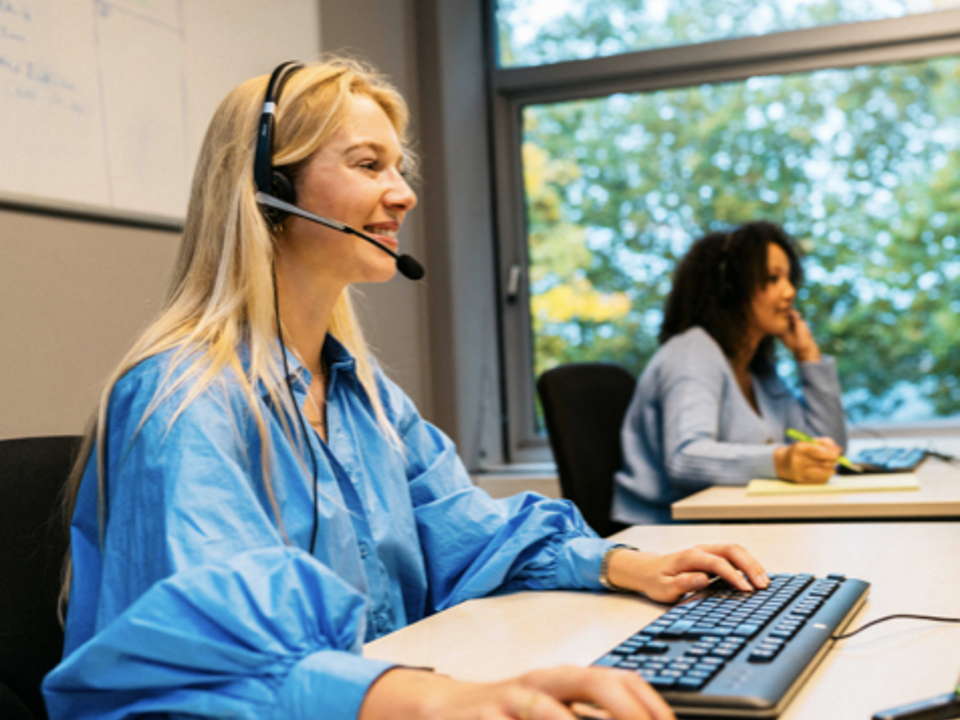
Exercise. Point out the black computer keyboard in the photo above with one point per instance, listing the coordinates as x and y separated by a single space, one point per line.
889 459
729 653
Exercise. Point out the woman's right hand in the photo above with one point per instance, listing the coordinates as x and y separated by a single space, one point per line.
538 695
806 462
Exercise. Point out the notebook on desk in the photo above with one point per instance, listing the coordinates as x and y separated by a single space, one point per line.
836 484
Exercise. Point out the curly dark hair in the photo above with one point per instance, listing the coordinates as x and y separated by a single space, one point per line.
714 284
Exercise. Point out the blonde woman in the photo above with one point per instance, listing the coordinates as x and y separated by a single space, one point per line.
257 499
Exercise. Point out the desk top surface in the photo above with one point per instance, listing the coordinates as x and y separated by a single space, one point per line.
913 568
938 497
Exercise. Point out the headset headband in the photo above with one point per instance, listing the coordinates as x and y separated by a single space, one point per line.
263 160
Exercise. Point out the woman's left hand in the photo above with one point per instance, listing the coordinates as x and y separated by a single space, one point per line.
799 340
667 578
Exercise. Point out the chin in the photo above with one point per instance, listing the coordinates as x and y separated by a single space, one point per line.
380 274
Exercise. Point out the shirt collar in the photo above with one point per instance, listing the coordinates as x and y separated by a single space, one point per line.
339 360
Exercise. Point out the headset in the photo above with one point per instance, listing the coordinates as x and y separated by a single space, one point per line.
276 194
270 182
725 290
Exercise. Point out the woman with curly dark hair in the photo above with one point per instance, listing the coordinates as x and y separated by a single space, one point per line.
710 408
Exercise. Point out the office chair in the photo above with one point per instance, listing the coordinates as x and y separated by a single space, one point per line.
584 405
32 547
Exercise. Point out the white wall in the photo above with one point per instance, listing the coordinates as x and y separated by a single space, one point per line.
74 294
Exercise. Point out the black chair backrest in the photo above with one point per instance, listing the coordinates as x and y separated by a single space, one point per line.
584 405
32 547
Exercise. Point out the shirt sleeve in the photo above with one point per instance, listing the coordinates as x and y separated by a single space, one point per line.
474 545
196 606
819 411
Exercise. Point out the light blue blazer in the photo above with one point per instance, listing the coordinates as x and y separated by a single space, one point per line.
689 425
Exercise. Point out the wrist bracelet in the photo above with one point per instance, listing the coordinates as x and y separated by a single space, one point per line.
605 567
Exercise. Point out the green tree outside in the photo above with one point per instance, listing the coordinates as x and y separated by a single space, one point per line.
861 165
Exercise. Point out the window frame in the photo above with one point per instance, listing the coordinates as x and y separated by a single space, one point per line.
874 42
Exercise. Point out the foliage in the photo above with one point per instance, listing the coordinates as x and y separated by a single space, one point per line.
535 32
862 165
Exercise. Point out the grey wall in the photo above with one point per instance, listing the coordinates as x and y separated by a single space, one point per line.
433 51
382 33
73 296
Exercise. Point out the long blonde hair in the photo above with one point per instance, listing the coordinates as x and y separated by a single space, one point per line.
221 294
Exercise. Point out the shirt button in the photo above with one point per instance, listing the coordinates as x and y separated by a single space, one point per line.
364 550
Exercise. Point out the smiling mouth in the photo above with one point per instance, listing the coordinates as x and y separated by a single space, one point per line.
381 231
386 236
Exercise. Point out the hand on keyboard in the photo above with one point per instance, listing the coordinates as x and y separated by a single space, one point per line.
666 578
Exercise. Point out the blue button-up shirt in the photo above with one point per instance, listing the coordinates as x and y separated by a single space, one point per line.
201 604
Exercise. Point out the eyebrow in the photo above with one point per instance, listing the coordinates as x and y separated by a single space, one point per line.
365 145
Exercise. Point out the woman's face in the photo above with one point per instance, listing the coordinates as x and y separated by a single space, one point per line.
771 305
357 179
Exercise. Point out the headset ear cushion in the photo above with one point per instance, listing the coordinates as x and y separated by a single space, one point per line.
282 187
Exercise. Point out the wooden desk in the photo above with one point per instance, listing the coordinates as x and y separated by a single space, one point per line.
938 497
913 568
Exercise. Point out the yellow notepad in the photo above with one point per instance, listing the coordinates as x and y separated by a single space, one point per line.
837 484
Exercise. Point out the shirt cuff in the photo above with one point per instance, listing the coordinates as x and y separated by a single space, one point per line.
764 465
579 563
329 684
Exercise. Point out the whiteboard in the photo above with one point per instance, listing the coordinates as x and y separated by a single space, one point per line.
103 104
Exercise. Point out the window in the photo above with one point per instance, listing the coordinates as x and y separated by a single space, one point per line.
537 32
849 136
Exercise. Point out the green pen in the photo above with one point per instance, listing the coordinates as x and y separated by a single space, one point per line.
842 460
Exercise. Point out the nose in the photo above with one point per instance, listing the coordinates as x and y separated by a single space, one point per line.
399 196
790 292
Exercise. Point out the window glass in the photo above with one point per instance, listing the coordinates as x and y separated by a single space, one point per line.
861 165
537 32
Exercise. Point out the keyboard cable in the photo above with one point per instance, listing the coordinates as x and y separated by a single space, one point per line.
931 618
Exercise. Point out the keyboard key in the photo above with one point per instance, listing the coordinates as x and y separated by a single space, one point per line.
709 660
704 668
723 652
662 683
690 683
761 656
655 647
677 630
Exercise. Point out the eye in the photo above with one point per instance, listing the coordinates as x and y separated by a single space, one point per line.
370 165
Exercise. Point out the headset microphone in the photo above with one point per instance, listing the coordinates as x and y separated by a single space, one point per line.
407 266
